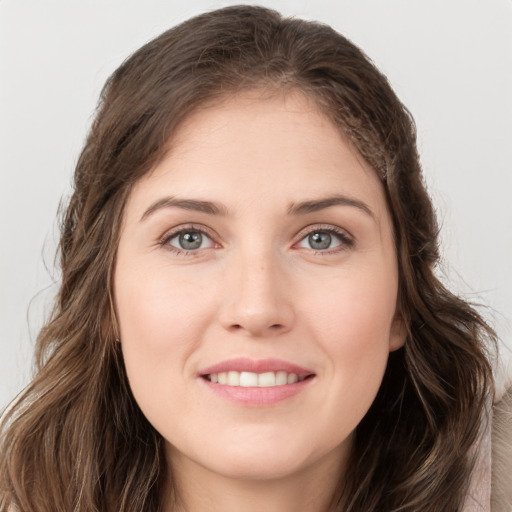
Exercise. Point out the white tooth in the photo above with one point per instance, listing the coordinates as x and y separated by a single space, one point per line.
233 378
281 378
266 379
248 379
292 377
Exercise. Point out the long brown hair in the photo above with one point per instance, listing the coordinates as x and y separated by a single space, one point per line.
75 440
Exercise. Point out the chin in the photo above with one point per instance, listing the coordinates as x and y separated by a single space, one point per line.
254 466
261 457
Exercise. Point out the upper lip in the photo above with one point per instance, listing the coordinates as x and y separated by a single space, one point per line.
242 364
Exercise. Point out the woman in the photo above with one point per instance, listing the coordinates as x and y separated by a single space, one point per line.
249 314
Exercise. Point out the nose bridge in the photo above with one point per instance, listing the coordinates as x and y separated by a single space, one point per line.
256 297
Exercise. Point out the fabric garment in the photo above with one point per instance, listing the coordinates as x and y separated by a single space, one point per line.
491 483
501 495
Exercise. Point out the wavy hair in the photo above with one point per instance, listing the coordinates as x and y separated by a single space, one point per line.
75 439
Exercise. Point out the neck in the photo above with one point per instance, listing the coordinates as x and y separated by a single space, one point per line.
309 490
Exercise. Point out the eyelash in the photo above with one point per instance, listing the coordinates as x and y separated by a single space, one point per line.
346 241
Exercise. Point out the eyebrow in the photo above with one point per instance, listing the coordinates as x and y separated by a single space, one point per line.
312 206
301 208
186 204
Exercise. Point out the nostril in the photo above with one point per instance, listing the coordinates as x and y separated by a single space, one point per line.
273 327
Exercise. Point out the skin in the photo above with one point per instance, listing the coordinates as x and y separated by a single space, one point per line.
256 288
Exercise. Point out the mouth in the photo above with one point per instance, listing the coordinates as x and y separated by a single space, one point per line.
271 374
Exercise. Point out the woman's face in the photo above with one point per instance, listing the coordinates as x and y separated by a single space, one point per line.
256 286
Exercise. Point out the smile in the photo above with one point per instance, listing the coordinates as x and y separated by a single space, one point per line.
256 380
256 383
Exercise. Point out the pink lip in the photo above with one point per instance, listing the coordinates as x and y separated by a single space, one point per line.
256 396
261 366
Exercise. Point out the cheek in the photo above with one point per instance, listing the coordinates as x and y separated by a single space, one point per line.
353 322
158 313
354 311
160 324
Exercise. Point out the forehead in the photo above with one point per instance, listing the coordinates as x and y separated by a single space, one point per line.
252 146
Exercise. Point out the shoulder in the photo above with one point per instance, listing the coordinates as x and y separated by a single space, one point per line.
502 454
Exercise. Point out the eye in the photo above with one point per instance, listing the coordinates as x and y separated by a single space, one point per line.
325 240
189 240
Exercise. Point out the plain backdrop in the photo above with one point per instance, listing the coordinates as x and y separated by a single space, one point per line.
450 61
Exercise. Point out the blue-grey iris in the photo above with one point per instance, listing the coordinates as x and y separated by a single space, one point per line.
319 240
190 240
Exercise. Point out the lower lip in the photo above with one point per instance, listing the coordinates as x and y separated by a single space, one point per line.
258 397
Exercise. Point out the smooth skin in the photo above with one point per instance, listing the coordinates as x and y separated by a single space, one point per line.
264 270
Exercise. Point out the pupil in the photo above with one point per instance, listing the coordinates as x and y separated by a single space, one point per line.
320 240
190 240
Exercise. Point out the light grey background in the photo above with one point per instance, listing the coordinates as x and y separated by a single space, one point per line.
450 61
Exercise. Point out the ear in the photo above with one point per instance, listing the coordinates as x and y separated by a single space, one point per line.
398 333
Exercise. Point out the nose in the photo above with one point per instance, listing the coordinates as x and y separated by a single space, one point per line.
257 297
